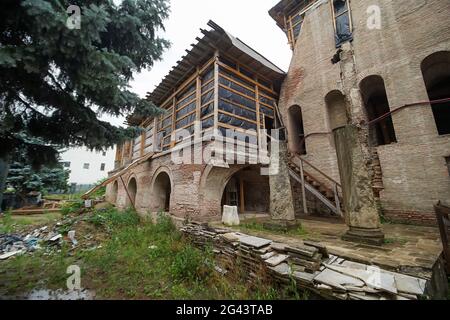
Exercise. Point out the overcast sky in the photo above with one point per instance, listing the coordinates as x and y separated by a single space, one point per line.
247 20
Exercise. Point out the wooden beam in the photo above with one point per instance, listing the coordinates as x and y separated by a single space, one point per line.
216 90
198 95
241 196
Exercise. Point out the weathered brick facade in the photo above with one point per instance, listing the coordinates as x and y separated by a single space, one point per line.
414 171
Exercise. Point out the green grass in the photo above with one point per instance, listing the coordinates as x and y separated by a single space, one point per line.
137 261
10 223
71 196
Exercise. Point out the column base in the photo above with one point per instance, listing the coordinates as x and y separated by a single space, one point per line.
368 236
282 225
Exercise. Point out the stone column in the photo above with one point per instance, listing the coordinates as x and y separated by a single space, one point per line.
354 159
362 216
282 211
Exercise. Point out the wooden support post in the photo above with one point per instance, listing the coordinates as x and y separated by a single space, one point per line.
258 118
198 95
143 135
241 196
305 206
174 112
128 194
216 90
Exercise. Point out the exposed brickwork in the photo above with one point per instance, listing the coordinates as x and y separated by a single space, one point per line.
413 170
411 217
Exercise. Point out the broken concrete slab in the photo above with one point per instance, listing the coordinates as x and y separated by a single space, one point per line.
409 285
254 241
283 269
276 260
10 254
337 280
374 277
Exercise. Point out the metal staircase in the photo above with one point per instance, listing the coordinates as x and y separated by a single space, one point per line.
323 187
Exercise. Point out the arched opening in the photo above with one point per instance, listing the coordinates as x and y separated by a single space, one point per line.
132 191
436 74
162 189
336 109
296 130
373 92
114 192
248 190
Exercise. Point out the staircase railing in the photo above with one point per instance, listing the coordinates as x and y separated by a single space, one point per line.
336 187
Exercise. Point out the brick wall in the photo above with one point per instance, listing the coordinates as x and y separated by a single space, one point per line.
414 170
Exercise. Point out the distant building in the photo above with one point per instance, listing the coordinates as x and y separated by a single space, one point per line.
87 167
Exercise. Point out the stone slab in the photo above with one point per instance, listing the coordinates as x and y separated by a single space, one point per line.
276 260
254 242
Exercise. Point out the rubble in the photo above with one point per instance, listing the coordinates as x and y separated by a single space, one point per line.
49 237
308 263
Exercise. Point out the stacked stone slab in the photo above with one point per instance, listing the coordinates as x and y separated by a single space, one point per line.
307 263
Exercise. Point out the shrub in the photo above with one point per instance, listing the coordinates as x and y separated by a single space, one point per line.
191 264
71 207
114 218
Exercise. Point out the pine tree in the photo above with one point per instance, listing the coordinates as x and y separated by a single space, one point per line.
56 79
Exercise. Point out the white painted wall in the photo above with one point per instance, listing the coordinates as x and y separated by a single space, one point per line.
79 156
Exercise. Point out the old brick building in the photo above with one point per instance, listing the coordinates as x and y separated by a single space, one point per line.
373 64
386 54
178 163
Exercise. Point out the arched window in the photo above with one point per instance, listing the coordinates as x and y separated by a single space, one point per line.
375 100
296 130
436 74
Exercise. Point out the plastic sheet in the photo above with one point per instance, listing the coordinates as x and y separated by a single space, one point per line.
236 78
207 123
228 107
166 140
185 100
234 86
189 108
166 122
187 92
235 122
207 97
267 111
208 109
267 101
185 121
207 87
236 98
209 74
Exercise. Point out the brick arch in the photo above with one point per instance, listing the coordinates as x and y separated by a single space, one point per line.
436 76
132 187
114 192
376 105
212 185
161 189
336 109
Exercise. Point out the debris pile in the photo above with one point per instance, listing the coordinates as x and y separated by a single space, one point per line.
309 264
12 244
72 230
